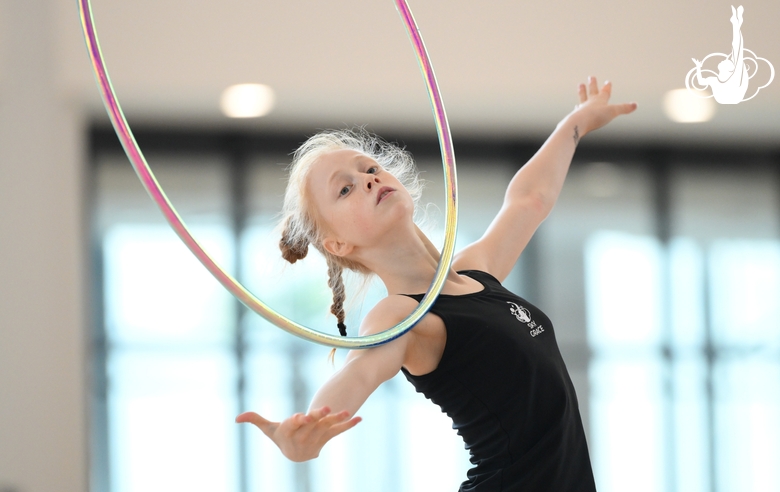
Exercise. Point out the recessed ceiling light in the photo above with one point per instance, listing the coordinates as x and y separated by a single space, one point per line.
247 100
682 106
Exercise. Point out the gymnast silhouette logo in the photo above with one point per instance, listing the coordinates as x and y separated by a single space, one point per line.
522 314
735 70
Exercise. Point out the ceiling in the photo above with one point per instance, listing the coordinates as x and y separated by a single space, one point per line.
504 67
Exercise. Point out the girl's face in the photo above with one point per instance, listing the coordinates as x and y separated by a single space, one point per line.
355 201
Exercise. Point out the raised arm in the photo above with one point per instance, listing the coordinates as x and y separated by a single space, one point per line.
301 437
533 191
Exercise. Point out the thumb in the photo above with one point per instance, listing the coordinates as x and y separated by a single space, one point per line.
626 108
253 418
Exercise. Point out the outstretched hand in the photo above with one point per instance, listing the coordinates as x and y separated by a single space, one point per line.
594 108
301 437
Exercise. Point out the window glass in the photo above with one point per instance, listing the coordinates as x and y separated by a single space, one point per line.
686 273
627 423
157 291
599 281
170 420
169 327
745 288
725 259
747 431
622 274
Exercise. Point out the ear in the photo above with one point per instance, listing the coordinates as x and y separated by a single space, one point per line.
336 247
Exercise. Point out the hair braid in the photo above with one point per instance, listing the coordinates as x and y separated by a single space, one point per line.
336 284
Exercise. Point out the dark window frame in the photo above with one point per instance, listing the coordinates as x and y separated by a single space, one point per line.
239 146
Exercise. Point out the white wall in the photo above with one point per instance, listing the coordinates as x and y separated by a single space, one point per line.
43 386
505 67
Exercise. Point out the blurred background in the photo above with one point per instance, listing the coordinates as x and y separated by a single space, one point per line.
123 363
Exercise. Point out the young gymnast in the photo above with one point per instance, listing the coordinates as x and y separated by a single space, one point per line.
486 356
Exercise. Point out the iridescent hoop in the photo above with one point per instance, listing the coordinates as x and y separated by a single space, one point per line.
239 291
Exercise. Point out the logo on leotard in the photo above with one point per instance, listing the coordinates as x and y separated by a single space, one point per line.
523 315
730 84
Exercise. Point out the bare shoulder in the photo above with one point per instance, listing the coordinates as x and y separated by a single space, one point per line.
382 362
387 313
423 346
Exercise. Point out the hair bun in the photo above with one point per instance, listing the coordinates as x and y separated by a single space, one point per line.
292 249
293 252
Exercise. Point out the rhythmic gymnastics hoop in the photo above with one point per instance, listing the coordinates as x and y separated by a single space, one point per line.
157 194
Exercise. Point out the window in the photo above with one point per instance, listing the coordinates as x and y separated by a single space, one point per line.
660 275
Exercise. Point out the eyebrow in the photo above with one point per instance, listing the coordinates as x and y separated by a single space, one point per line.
357 159
332 178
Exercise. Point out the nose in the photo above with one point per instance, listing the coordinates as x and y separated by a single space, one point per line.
371 181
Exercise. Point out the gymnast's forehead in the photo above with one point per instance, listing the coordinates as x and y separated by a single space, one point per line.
332 160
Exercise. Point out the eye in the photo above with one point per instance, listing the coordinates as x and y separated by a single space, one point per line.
344 191
373 170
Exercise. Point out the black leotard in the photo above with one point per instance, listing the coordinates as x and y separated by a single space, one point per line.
503 382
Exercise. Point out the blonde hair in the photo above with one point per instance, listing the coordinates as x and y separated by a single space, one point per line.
298 222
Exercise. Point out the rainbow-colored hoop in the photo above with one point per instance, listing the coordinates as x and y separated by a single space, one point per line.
239 291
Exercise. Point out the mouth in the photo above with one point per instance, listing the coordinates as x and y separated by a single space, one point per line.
383 192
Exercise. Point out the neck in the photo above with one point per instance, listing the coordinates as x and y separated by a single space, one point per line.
406 263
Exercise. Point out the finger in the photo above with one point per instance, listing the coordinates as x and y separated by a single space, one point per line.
293 424
339 428
319 413
252 418
593 86
266 426
334 419
607 87
583 93
626 108
324 427
300 419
